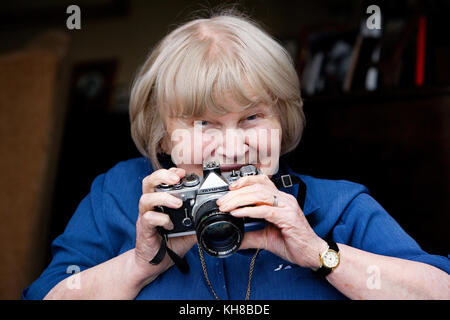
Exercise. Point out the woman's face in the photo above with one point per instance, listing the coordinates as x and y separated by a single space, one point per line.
240 137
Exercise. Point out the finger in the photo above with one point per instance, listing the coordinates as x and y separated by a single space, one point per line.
178 171
250 180
154 219
251 195
148 201
168 176
254 240
271 214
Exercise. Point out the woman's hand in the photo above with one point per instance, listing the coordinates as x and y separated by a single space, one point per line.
124 276
287 233
148 240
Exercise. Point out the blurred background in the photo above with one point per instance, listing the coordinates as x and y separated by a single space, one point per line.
377 104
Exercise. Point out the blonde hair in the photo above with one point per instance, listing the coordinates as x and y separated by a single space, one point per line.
201 61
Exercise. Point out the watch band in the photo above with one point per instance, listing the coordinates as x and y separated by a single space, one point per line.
324 271
333 245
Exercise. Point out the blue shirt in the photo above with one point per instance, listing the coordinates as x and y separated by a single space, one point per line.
104 226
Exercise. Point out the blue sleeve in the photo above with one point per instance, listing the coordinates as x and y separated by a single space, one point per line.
83 244
367 226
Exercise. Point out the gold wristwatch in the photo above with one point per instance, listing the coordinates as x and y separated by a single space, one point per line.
329 260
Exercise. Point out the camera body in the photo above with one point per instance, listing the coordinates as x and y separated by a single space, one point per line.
218 233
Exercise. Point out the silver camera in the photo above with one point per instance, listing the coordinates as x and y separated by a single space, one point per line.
218 233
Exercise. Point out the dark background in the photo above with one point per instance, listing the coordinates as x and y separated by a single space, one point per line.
394 139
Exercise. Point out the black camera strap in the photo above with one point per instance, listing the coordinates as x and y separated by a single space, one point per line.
180 262
288 180
160 254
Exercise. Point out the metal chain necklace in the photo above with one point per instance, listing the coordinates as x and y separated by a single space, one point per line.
250 273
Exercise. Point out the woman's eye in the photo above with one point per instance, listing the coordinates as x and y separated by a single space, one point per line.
252 117
201 123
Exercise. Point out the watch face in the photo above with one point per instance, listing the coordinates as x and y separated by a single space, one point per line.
330 259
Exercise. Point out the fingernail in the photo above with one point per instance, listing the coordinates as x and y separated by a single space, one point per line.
221 200
177 202
235 213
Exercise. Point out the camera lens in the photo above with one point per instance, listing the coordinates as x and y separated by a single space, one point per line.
218 233
221 236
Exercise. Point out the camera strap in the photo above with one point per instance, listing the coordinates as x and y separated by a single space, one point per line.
288 180
180 262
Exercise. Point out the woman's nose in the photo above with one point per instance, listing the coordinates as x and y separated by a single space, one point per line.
233 148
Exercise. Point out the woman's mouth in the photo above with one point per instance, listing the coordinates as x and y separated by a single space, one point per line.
231 167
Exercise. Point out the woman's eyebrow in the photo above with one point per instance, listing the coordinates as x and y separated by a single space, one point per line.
258 107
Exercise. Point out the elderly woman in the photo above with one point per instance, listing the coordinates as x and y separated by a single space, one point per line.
232 92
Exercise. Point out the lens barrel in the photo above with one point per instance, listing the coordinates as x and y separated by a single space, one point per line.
218 233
